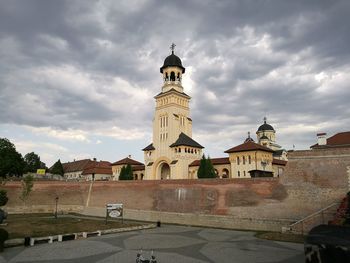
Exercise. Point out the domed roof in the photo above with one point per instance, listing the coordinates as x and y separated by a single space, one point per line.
264 137
265 126
249 139
172 61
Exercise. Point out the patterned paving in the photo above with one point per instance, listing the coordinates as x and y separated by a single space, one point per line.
170 244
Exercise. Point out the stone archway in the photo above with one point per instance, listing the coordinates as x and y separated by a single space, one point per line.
164 171
225 173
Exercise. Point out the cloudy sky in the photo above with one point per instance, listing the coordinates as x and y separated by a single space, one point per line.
77 78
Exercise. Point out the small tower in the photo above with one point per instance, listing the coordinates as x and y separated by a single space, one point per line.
266 131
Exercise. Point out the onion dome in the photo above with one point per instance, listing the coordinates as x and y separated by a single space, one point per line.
172 61
249 139
265 127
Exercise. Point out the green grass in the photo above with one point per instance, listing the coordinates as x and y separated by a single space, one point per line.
39 225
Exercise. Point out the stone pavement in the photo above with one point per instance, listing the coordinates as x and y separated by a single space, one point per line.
170 244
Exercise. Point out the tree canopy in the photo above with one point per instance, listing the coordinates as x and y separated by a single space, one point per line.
57 168
206 168
11 161
126 173
33 163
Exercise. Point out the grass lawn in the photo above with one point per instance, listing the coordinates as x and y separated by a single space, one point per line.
39 225
281 237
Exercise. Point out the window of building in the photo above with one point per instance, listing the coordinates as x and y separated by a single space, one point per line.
244 173
239 174
172 76
237 160
249 159
243 159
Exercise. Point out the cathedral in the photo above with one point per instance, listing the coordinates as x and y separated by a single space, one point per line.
174 154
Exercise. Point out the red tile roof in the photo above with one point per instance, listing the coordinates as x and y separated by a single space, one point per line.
127 160
248 146
76 166
98 170
214 161
341 139
88 166
279 162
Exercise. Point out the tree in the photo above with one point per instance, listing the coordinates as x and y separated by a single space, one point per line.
202 167
57 168
32 163
206 168
122 174
126 173
11 162
210 168
27 186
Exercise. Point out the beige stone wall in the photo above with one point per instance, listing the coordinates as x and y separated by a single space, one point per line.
243 167
73 175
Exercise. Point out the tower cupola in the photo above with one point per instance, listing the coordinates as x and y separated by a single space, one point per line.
172 71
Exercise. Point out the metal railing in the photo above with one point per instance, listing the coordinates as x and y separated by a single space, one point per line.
321 216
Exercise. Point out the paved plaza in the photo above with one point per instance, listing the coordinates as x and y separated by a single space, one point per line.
170 244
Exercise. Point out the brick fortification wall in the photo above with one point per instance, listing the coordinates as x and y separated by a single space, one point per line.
313 180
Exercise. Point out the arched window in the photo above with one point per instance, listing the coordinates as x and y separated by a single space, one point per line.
249 159
178 76
166 76
244 173
172 76
243 159
239 174
141 176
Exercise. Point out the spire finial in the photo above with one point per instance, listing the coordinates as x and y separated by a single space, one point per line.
265 119
172 47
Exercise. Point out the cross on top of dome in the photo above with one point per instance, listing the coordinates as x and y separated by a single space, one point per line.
172 48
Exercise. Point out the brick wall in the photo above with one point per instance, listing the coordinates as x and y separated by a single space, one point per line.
312 180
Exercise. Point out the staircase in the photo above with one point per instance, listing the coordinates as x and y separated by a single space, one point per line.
304 225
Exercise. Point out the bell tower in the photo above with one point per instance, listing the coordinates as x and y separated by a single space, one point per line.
172 149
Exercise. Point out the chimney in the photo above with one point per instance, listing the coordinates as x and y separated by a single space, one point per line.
129 156
321 138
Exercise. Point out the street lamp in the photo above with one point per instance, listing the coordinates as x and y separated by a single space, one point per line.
56 199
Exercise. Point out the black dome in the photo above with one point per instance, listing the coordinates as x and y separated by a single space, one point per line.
265 127
172 61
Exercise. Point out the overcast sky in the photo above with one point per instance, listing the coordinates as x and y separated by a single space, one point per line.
77 78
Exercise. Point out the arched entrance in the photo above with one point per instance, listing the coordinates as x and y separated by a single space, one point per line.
225 173
164 171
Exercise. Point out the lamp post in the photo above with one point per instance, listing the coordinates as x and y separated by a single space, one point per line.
56 199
